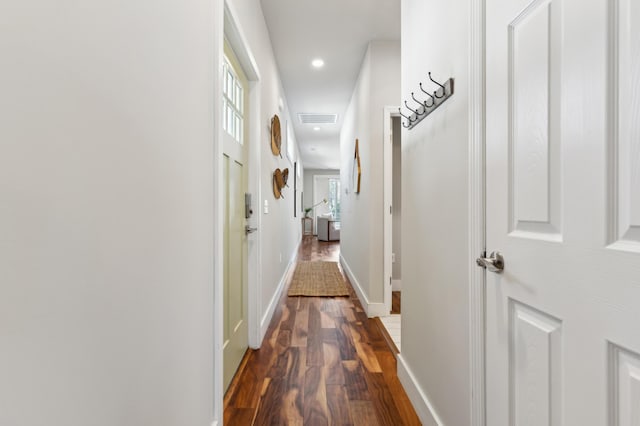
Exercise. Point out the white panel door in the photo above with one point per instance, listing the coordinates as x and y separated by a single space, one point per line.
563 207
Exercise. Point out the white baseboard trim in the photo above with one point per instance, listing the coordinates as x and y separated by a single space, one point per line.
372 309
420 402
396 285
273 304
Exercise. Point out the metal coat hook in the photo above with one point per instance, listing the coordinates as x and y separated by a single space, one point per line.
411 109
408 118
433 100
422 104
439 96
436 92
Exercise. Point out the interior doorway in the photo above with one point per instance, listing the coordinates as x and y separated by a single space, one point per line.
392 224
236 294
325 187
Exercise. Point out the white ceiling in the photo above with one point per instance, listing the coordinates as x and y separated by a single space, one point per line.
338 31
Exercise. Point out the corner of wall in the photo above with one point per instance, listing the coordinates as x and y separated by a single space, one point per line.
273 303
372 309
418 398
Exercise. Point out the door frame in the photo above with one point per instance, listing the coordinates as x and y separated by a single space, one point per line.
313 197
230 30
477 210
239 44
387 175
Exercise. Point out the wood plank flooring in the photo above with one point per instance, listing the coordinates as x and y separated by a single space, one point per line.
395 302
322 362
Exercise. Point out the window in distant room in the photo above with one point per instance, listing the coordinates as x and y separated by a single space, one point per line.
334 197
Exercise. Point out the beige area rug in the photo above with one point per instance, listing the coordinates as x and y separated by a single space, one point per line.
318 279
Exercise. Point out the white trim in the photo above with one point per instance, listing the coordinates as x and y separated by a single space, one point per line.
476 215
227 27
418 398
396 285
387 136
273 303
218 218
254 241
371 309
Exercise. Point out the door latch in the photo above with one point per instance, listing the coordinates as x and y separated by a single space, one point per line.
493 263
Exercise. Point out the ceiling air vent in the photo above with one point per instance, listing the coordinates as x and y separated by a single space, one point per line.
318 118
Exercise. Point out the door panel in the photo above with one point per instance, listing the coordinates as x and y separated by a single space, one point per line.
533 129
626 138
562 199
535 351
235 325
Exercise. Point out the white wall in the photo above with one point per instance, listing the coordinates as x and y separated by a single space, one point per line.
362 222
108 182
106 212
435 207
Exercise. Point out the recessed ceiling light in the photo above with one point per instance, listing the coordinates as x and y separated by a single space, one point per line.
317 63
316 128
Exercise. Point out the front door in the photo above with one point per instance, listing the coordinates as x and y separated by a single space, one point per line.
563 208
235 183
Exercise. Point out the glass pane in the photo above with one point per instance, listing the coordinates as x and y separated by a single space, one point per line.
230 119
238 94
238 127
230 85
224 114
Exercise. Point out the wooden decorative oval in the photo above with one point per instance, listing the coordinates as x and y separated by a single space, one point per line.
276 137
278 183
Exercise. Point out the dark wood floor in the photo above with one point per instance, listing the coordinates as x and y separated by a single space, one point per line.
395 302
322 362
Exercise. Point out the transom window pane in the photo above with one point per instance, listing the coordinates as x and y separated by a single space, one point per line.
233 103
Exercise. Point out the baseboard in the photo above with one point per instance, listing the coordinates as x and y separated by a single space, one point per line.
372 309
420 402
396 285
273 304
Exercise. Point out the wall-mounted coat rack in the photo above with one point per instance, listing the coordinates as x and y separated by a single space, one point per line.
426 107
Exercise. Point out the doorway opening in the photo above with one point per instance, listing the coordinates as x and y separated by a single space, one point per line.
392 224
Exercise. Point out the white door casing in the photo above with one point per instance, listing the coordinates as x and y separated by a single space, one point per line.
563 207
388 113
236 39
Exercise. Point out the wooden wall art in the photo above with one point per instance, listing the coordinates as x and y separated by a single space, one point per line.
279 181
356 171
276 136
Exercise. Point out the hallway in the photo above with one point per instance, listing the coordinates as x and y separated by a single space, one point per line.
322 362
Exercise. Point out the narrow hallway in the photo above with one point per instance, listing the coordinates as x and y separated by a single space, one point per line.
322 362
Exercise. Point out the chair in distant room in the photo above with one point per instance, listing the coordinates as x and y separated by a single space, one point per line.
328 229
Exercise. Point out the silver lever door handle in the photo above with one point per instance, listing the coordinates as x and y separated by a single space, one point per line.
249 230
493 263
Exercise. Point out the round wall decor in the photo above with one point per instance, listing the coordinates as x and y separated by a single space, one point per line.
276 137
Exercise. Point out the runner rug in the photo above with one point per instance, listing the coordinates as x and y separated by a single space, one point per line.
315 278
